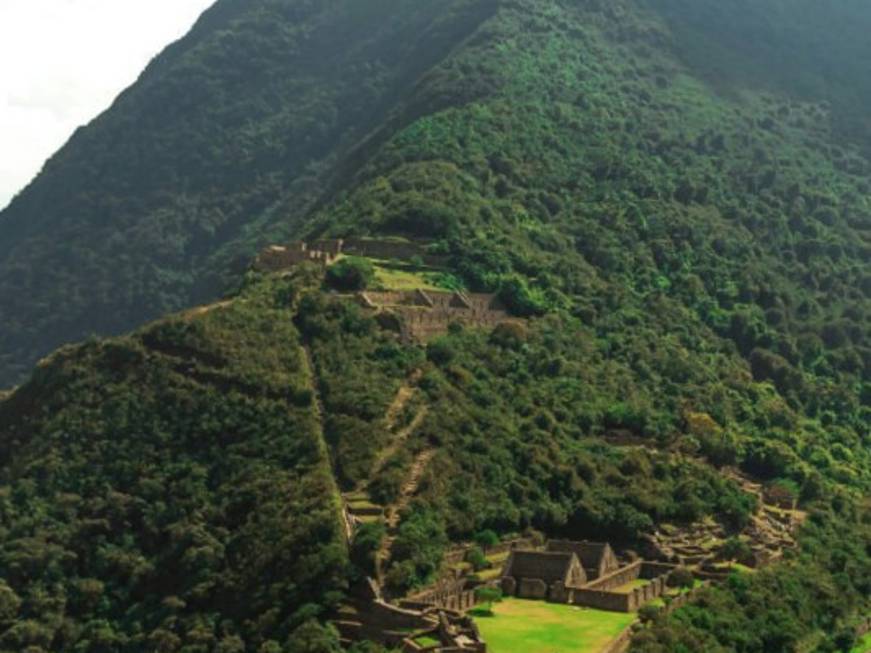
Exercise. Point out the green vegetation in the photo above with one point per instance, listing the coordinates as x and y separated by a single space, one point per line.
351 273
169 490
863 645
681 578
686 220
488 596
391 276
538 627
426 641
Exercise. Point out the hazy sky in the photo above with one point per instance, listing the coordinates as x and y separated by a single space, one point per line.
62 62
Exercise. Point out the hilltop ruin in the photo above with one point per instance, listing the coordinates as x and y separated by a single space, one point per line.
422 315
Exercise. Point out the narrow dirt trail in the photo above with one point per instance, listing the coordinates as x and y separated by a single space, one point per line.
323 447
201 310
398 441
410 487
406 391
393 513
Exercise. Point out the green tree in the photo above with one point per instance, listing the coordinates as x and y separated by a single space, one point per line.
313 637
486 539
488 595
350 274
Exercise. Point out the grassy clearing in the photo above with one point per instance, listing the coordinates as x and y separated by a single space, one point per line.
426 641
863 645
393 276
394 279
490 574
519 626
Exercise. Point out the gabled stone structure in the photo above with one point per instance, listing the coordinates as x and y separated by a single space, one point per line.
542 574
597 558
558 575
424 314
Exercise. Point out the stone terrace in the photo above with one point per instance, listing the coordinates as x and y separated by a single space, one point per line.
426 314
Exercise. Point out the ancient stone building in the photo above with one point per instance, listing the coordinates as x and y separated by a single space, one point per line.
425 314
280 257
541 574
597 558
558 574
365 615
325 251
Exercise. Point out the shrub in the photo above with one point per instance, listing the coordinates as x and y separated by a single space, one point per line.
350 274
648 613
488 596
735 549
520 298
681 577
476 558
486 538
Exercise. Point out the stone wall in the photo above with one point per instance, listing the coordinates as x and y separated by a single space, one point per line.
618 601
390 617
532 588
617 578
656 569
602 600
381 298
391 249
455 556
325 251
461 602
426 314
600 593
454 598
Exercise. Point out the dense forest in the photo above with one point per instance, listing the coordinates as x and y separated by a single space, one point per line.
674 192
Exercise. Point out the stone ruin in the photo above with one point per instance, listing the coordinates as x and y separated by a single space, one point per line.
281 257
324 252
770 532
542 574
597 558
558 575
408 627
421 315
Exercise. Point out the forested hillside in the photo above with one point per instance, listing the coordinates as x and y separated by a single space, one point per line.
167 489
675 193
267 108
221 146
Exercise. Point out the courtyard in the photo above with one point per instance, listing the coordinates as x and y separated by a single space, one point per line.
519 626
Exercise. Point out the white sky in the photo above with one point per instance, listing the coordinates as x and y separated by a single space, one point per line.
62 62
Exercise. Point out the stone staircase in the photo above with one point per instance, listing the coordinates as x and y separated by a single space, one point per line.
366 616
393 514
359 506
410 487
398 441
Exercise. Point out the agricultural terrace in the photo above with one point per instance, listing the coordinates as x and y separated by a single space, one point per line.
519 626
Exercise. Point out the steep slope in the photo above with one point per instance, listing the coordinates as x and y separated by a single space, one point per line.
178 489
168 489
608 182
690 230
235 133
219 147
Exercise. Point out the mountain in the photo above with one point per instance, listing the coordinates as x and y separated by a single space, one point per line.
670 196
220 147
234 135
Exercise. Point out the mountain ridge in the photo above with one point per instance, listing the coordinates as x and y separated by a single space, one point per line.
686 253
